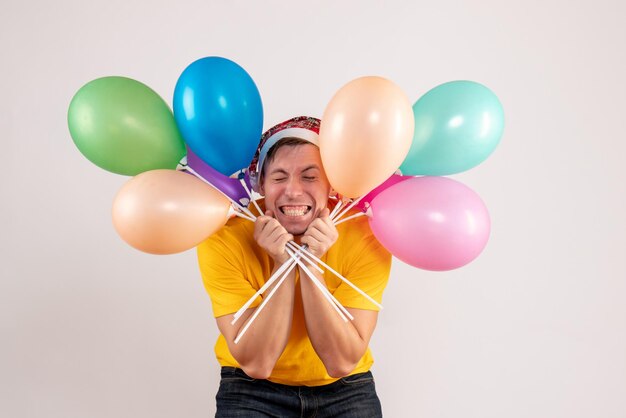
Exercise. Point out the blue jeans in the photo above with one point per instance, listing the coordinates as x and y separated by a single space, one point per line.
242 396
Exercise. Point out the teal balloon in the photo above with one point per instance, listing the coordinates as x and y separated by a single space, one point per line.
124 126
457 126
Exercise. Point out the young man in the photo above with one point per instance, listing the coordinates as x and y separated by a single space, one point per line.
298 358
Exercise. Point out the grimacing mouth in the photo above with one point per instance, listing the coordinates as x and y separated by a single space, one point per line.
295 213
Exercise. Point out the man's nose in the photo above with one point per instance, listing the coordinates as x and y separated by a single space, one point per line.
294 187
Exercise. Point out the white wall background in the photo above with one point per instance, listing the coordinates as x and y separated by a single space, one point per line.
536 327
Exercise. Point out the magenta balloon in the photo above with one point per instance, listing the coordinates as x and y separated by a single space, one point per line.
367 199
229 186
433 223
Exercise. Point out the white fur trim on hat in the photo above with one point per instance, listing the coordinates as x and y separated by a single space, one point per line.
301 133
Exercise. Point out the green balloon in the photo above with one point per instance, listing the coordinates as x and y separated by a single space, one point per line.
123 126
457 126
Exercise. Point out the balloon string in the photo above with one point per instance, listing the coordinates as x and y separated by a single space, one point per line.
336 208
343 312
236 204
241 215
263 288
245 186
266 300
248 212
295 260
356 215
343 212
346 281
296 247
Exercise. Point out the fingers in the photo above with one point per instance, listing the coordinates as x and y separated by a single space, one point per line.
316 234
268 229
278 233
272 236
325 226
263 222
325 217
310 242
318 248
321 234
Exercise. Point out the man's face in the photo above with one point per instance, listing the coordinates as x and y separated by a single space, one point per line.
295 186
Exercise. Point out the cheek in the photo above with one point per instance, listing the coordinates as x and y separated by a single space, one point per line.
320 196
271 194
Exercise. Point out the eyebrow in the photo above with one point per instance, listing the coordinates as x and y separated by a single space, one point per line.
283 171
311 167
278 171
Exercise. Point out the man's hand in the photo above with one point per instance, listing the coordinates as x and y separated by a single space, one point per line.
321 234
272 237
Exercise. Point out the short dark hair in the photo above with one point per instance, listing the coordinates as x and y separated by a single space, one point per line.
290 141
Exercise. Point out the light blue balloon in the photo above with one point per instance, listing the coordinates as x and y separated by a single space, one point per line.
457 126
219 113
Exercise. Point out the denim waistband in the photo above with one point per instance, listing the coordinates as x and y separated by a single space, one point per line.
235 372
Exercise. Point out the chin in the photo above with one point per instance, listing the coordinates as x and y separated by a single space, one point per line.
296 227
297 231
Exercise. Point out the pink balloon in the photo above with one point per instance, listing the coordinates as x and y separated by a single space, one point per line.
364 203
433 223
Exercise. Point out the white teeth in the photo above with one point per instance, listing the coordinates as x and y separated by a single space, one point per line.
295 210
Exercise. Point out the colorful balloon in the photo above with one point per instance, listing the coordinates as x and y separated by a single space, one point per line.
123 126
218 110
365 134
457 126
168 211
434 223
232 187
364 203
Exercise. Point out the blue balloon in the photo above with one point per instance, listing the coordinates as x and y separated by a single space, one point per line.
219 113
457 126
